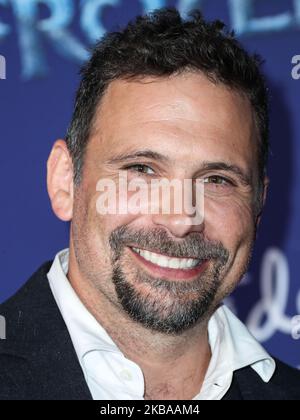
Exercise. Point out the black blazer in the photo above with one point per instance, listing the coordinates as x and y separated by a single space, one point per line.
38 361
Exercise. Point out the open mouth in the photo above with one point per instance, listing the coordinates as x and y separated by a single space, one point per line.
169 267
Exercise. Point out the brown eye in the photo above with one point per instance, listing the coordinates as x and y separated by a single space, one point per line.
143 169
216 180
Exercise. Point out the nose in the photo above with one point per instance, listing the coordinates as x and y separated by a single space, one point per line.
178 225
181 211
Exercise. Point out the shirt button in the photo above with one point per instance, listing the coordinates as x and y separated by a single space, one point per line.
126 375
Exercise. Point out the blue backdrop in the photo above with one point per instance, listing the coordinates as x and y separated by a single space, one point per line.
42 44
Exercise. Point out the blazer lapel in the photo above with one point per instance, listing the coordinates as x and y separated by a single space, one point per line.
46 365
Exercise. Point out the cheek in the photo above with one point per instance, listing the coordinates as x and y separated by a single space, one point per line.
229 220
117 206
231 223
105 224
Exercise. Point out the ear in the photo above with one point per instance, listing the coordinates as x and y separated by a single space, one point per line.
263 200
60 181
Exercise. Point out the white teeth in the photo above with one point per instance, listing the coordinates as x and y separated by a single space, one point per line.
167 262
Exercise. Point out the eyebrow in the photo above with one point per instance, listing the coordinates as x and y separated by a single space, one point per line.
205 166
146 154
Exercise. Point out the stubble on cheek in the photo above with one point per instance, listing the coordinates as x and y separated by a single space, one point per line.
88 237
235 225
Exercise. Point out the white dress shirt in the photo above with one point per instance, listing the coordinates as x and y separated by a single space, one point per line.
111 376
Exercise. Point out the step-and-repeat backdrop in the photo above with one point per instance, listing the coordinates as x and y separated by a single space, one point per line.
42 44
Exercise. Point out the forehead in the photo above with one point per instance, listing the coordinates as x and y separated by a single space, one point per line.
180 114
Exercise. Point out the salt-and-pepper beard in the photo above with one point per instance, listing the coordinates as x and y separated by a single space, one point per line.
165 306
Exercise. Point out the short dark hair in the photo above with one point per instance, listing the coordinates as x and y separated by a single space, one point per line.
161 44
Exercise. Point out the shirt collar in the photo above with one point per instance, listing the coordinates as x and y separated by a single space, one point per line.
232 348
232 345
92 335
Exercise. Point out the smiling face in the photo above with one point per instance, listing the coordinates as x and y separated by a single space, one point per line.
159 270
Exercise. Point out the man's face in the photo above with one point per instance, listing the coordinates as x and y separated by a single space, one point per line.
156 268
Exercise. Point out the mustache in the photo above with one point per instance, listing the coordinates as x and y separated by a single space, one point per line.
195 245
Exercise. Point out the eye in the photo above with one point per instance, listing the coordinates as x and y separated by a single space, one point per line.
217 180
140 168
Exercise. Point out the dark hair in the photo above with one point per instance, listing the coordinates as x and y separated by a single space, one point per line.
160 44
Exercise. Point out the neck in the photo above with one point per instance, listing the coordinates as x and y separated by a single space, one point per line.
174 366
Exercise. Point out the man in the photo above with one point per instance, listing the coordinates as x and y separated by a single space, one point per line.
132 310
